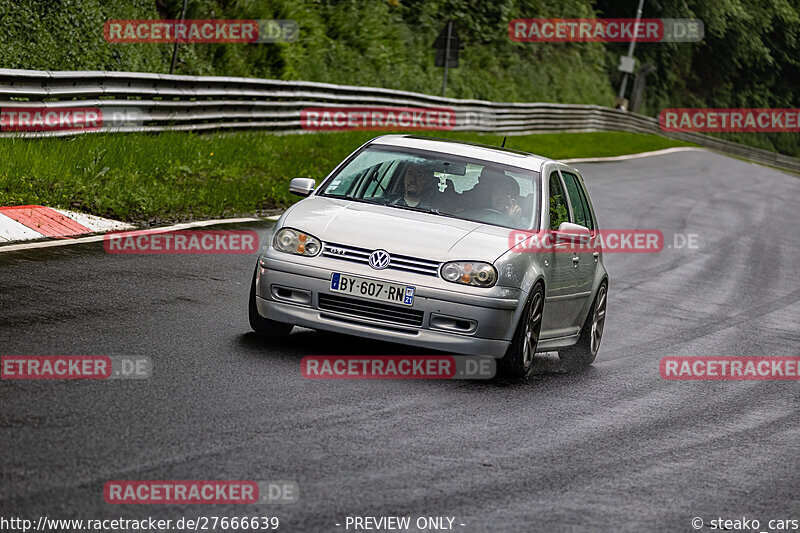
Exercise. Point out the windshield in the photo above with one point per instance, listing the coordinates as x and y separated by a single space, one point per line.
441 184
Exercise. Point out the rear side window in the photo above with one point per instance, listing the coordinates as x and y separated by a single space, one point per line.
558 203
577 198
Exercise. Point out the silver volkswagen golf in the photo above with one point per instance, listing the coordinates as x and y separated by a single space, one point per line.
423 241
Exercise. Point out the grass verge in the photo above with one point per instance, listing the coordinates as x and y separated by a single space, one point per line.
172 176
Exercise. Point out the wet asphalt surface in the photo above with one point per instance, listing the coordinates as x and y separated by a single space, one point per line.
612 448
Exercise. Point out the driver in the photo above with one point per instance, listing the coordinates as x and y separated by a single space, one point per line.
418 183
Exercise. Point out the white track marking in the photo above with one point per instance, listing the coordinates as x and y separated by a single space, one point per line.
634 156
94 223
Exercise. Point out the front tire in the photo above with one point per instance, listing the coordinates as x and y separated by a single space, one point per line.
584 352
518 360
264 326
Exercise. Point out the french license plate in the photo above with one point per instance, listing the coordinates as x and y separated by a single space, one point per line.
374 290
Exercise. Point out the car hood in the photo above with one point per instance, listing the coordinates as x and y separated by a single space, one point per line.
398 231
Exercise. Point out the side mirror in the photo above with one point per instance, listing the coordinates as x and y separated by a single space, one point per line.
302 186
573 233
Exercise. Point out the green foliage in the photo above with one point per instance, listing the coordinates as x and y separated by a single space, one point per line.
382 43
750 56
68 35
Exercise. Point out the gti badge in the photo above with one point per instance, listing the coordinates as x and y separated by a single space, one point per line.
379 259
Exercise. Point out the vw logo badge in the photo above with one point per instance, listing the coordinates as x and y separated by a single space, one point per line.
379 259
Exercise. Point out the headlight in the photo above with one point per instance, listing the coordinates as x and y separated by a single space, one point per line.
470 273
296 242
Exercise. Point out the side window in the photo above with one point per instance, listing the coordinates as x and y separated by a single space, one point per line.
558 203
586 208
577 199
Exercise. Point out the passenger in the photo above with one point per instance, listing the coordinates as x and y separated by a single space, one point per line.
478 196
474 198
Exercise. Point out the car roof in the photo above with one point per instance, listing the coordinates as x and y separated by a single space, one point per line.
465 149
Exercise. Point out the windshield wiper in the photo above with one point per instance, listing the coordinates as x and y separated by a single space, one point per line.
430 210
362 200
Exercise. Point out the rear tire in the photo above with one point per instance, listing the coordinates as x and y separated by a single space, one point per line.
583 353
264 326
518 360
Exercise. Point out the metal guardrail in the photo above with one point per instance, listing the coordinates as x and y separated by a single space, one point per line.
146 102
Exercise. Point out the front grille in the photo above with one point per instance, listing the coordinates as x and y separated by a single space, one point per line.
370 310
405 263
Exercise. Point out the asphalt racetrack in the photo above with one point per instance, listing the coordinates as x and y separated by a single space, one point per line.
613 448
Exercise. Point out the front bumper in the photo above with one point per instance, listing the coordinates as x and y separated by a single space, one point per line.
452 321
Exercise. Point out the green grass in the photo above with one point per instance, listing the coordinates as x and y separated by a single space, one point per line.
178 176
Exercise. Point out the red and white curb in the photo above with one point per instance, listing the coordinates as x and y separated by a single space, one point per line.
99 238
30 222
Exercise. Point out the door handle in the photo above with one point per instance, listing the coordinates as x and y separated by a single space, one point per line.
575 260
596 255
